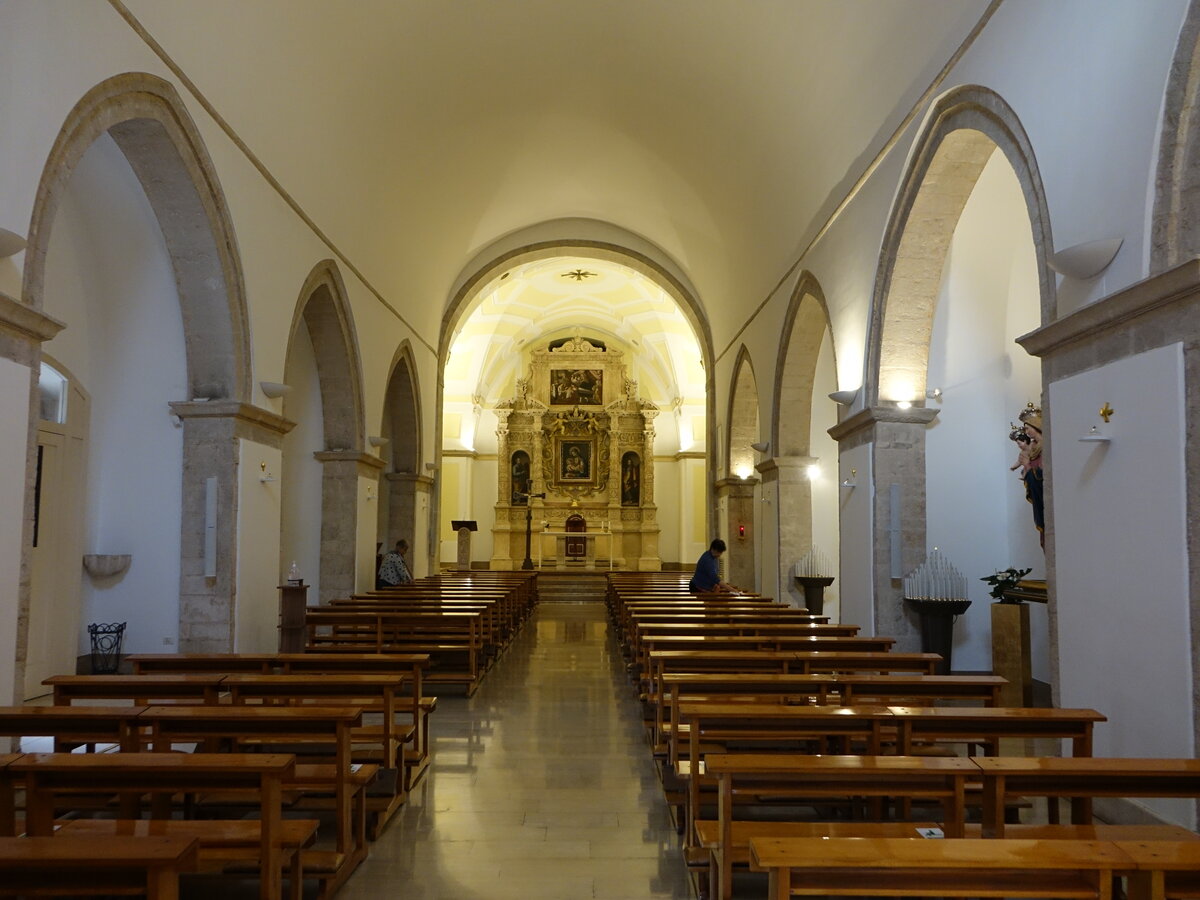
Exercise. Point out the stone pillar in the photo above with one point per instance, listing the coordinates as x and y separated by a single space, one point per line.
23 329
897 440
339 518
787 487
404 492
739 560
212 431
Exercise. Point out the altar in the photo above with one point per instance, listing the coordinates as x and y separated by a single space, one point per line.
596 545
576 453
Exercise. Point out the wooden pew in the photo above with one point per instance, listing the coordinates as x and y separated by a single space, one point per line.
1081 780
1163 870
50 775
141 690
988 726
73 726
268 726
845 689
904 867
775 776
89 867
8 812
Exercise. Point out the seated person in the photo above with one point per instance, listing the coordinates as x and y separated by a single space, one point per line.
707 578
394 569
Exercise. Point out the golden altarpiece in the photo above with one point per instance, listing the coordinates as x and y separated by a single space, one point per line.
577 432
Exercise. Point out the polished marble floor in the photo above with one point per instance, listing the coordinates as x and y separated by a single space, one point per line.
542 784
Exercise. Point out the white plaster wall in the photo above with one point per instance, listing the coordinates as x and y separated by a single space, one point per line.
300 496
826 488
1121 562
668 477
976 511
259 512
15 382
856 520
456 491
108 277
484 477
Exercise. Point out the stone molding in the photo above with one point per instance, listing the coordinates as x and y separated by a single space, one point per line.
784 468
736 487
1152 313
859 427
370 463
418 481
460 454
260 425
26 323
683 454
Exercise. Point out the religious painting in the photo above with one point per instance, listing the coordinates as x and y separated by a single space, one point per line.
521 485
576 460
576 387
631 479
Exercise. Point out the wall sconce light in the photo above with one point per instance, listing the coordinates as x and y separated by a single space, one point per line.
743 472
852 481
903 404
274 389
813 471
264 476
844 398
934 394
1085 261
11 243
376 441
761 446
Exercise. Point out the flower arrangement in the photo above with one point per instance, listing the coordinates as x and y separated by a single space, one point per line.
1003 581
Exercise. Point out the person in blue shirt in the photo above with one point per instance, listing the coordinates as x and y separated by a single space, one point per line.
706 577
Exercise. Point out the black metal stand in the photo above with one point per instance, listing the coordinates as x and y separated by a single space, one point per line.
528 564
814 591
937 627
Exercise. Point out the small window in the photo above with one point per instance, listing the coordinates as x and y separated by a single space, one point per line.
52 392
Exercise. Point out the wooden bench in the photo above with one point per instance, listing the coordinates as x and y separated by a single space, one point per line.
1081 779
73 726
766 776
90 867
988 726
48 776
141 690
320 733
904 867
7 795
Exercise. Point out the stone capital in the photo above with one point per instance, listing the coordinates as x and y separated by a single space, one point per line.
785 468
419 482
245 420
736 487
859 428
22 321
368 463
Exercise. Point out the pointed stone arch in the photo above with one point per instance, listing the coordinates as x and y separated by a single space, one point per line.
150 124
787 488
1175 227
323 311
148 121
743 417
407 487
962 131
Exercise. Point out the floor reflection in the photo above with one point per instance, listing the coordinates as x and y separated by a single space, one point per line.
542 785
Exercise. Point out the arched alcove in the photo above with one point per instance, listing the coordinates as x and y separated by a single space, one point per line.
404 498
800 479
739 518
965 130
323 455
136 147
1175 228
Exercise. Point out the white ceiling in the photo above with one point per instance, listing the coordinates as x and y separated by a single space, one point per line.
416 132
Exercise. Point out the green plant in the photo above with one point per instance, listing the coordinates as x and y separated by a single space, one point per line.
1003 581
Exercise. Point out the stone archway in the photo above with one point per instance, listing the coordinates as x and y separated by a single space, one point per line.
585 239
735 491
964 128
404 499
323 312
148 121
1175 228
787 487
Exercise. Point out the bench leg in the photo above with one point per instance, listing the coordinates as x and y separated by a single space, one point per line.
1146 886
162 884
